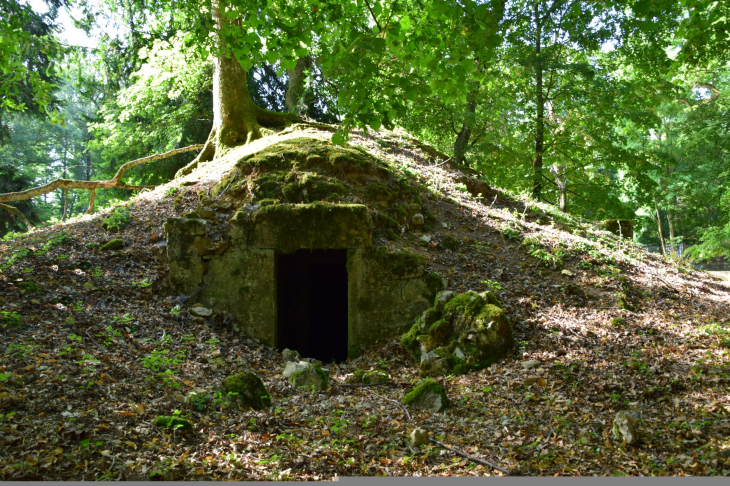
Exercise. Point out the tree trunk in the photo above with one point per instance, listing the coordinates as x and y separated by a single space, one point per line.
236 118
672 247
562 182
297 77
659 225
462 138
539 120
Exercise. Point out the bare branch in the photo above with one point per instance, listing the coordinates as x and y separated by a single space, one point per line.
114 182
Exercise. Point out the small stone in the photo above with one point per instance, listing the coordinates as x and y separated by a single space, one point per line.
418 437
198 320
114 244
290 354
206 212
530 364
450 243
429 396
201 312
623 427
459 354
417 220
424 240
293 366
179 397
531 380
311 376
434 365
222 205
375 377
247 390
567 273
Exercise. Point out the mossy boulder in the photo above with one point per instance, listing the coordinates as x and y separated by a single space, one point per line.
619 227
372 377
247 390
115 244
428 395
450 243
175 423
310 377
460 332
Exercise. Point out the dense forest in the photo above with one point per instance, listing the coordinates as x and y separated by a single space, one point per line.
298 240
608 110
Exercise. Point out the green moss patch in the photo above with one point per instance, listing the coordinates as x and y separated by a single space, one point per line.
175 423
450 243
402 264
114 244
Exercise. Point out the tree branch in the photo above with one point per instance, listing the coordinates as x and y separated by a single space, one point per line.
114 182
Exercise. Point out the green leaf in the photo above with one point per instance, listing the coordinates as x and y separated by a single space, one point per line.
405 23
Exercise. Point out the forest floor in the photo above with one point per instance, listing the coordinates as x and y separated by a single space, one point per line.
87 337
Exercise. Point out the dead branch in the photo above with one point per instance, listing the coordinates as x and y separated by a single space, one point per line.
114 182
471 458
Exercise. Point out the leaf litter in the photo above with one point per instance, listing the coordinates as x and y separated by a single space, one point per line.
93 350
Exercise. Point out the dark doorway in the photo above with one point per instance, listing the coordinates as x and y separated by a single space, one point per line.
312 304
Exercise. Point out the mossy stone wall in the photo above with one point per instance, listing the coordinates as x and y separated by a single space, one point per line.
386 291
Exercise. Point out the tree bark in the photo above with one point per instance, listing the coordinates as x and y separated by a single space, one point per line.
670 220
539 119
659 225
562 182
294 92
236 118
462 138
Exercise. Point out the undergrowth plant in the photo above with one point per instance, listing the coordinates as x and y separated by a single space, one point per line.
118 219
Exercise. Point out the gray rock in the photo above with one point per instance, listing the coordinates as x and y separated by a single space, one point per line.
310 377
428 396
290 355
434 365
442 299
247 390
530 364
206 212
374 377
417 437
424 240
201 311
624 427
294 366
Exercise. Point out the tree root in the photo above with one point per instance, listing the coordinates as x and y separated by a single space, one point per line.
17 212
468 457
66 184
